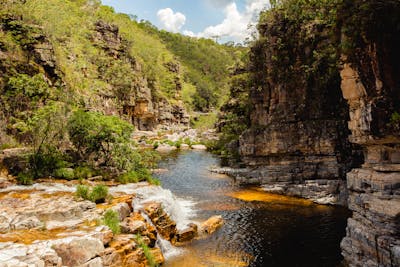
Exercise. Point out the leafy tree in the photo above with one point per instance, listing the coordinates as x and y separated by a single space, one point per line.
99 137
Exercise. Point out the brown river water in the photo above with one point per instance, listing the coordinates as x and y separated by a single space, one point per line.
260 229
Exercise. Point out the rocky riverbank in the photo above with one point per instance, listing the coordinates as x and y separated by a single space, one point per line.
320 191
47 225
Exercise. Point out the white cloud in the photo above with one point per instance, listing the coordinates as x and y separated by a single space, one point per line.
171 21
219 3
235 24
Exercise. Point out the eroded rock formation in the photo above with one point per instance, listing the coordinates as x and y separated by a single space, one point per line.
299 118
373 232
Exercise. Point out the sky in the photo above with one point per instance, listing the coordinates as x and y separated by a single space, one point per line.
227 20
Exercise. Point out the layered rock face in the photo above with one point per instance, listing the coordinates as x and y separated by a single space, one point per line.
373 232
299 118
138 100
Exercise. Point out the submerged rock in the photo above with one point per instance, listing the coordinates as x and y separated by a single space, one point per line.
211 225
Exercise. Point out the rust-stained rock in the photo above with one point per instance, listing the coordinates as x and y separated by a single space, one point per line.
131 226
187 234
163 223
211 225
158 256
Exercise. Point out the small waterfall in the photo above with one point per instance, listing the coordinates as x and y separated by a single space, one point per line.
180 210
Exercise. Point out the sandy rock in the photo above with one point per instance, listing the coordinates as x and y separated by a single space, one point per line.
185 147
26 223
163 223
163 148
158 256
5 222
111 257
130 226
79 250
96 262
4 182
123 210
187 234
211 225
199 147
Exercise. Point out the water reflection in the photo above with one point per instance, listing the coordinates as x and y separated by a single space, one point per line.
260 229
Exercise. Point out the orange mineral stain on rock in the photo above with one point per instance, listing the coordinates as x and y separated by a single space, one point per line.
27 237
115 201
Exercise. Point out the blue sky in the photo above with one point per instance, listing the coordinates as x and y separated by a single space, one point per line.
228 19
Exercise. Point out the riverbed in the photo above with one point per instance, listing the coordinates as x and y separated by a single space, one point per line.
260 229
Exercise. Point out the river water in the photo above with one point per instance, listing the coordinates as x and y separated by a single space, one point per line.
260 229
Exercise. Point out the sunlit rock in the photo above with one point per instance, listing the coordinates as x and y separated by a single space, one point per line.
211 225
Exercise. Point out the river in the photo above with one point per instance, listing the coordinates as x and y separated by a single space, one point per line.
260 229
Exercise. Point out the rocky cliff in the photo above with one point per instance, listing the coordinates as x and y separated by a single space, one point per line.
126 90
371 85
298 137
325 86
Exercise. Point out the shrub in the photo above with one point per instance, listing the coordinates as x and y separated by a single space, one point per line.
128 177
65 173
83 172
25 178
111 219
98 194
82 191
100 136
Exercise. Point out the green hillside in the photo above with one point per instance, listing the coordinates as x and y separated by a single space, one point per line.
76 78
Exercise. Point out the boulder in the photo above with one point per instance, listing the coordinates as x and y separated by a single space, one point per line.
131 226
123 210
111 258
79 251
211 225
158 256
165 148
163 223
187 234
199 147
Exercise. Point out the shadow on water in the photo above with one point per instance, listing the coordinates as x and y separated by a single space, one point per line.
260 229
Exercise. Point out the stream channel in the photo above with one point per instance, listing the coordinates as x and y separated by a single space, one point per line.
260 229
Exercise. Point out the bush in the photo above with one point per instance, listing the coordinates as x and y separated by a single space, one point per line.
25 178
128 177
99 136
98 194
82 191
65 173
83 172
111 219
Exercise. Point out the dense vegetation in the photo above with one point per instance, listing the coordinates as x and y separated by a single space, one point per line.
70 72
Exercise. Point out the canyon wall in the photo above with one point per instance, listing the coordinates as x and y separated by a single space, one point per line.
298 138
371 85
